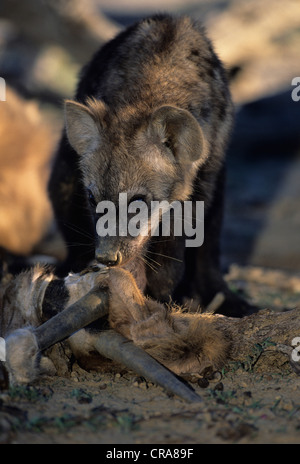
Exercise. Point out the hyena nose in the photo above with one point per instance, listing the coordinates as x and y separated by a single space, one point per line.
109 259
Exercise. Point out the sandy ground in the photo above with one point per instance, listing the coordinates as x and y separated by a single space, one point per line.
239 405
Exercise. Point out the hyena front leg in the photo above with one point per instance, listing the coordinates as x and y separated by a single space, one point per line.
185 343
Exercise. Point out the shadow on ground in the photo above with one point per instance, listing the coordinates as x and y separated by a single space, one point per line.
262 219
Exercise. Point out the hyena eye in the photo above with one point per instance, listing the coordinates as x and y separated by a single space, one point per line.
168 144
138 198
91 199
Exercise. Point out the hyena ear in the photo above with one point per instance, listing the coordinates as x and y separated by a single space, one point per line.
179 131
82 130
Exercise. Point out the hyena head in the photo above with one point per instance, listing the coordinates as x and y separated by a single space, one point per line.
150 155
